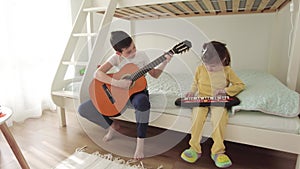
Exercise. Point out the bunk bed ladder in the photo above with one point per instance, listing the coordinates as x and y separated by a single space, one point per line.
80 57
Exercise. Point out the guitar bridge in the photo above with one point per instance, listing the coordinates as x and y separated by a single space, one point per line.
108 93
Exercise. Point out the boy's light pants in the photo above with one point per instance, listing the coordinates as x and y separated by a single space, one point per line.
219 119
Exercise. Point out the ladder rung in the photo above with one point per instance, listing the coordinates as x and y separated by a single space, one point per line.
75 63
75 79
84 34
69 94
95 9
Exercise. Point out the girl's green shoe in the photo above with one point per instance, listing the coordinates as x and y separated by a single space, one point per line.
191 156
221 160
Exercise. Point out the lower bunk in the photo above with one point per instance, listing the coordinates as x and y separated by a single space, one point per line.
245 127
268 115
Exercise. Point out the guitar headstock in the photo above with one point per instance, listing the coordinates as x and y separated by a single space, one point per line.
181 47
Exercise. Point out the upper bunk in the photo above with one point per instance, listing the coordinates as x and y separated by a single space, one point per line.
155 9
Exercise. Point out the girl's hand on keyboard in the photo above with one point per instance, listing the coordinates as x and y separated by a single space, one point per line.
220 92
190 94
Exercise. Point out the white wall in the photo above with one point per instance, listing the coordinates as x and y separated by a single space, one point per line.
157 36
255 41
247 36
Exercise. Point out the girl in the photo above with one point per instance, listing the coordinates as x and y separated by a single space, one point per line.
212 78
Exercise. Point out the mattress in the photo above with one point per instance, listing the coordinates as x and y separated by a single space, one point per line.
165 90
165 103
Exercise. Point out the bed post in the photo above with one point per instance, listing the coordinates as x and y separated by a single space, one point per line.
298 162
62 116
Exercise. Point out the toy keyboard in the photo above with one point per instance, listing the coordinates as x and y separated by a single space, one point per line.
219 101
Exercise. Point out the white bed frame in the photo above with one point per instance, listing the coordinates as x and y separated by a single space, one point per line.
281 141
275 140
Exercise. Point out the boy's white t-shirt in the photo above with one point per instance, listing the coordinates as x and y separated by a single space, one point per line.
140 59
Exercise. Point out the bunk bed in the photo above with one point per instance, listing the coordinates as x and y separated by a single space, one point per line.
164 114
174 8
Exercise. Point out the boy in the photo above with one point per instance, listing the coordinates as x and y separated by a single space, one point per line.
125 53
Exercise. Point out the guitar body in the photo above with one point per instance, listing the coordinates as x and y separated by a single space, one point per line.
110 100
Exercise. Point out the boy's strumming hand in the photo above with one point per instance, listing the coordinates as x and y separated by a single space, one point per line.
122 83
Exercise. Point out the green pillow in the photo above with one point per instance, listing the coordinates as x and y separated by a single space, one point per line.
267 94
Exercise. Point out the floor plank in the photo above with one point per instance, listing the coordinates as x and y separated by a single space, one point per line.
44 144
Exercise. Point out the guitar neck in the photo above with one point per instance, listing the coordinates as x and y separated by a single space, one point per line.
136 75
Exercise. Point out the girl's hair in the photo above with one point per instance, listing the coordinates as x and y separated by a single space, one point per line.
214 52
120 40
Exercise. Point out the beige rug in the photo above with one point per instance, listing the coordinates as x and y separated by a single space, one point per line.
82 160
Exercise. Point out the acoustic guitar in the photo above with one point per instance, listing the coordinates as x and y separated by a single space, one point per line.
110 100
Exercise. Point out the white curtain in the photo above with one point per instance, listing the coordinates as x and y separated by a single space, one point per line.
34 34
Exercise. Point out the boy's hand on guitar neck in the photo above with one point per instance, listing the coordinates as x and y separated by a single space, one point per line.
122 83
168 57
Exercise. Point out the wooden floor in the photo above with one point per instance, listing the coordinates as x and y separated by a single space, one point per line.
45 144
